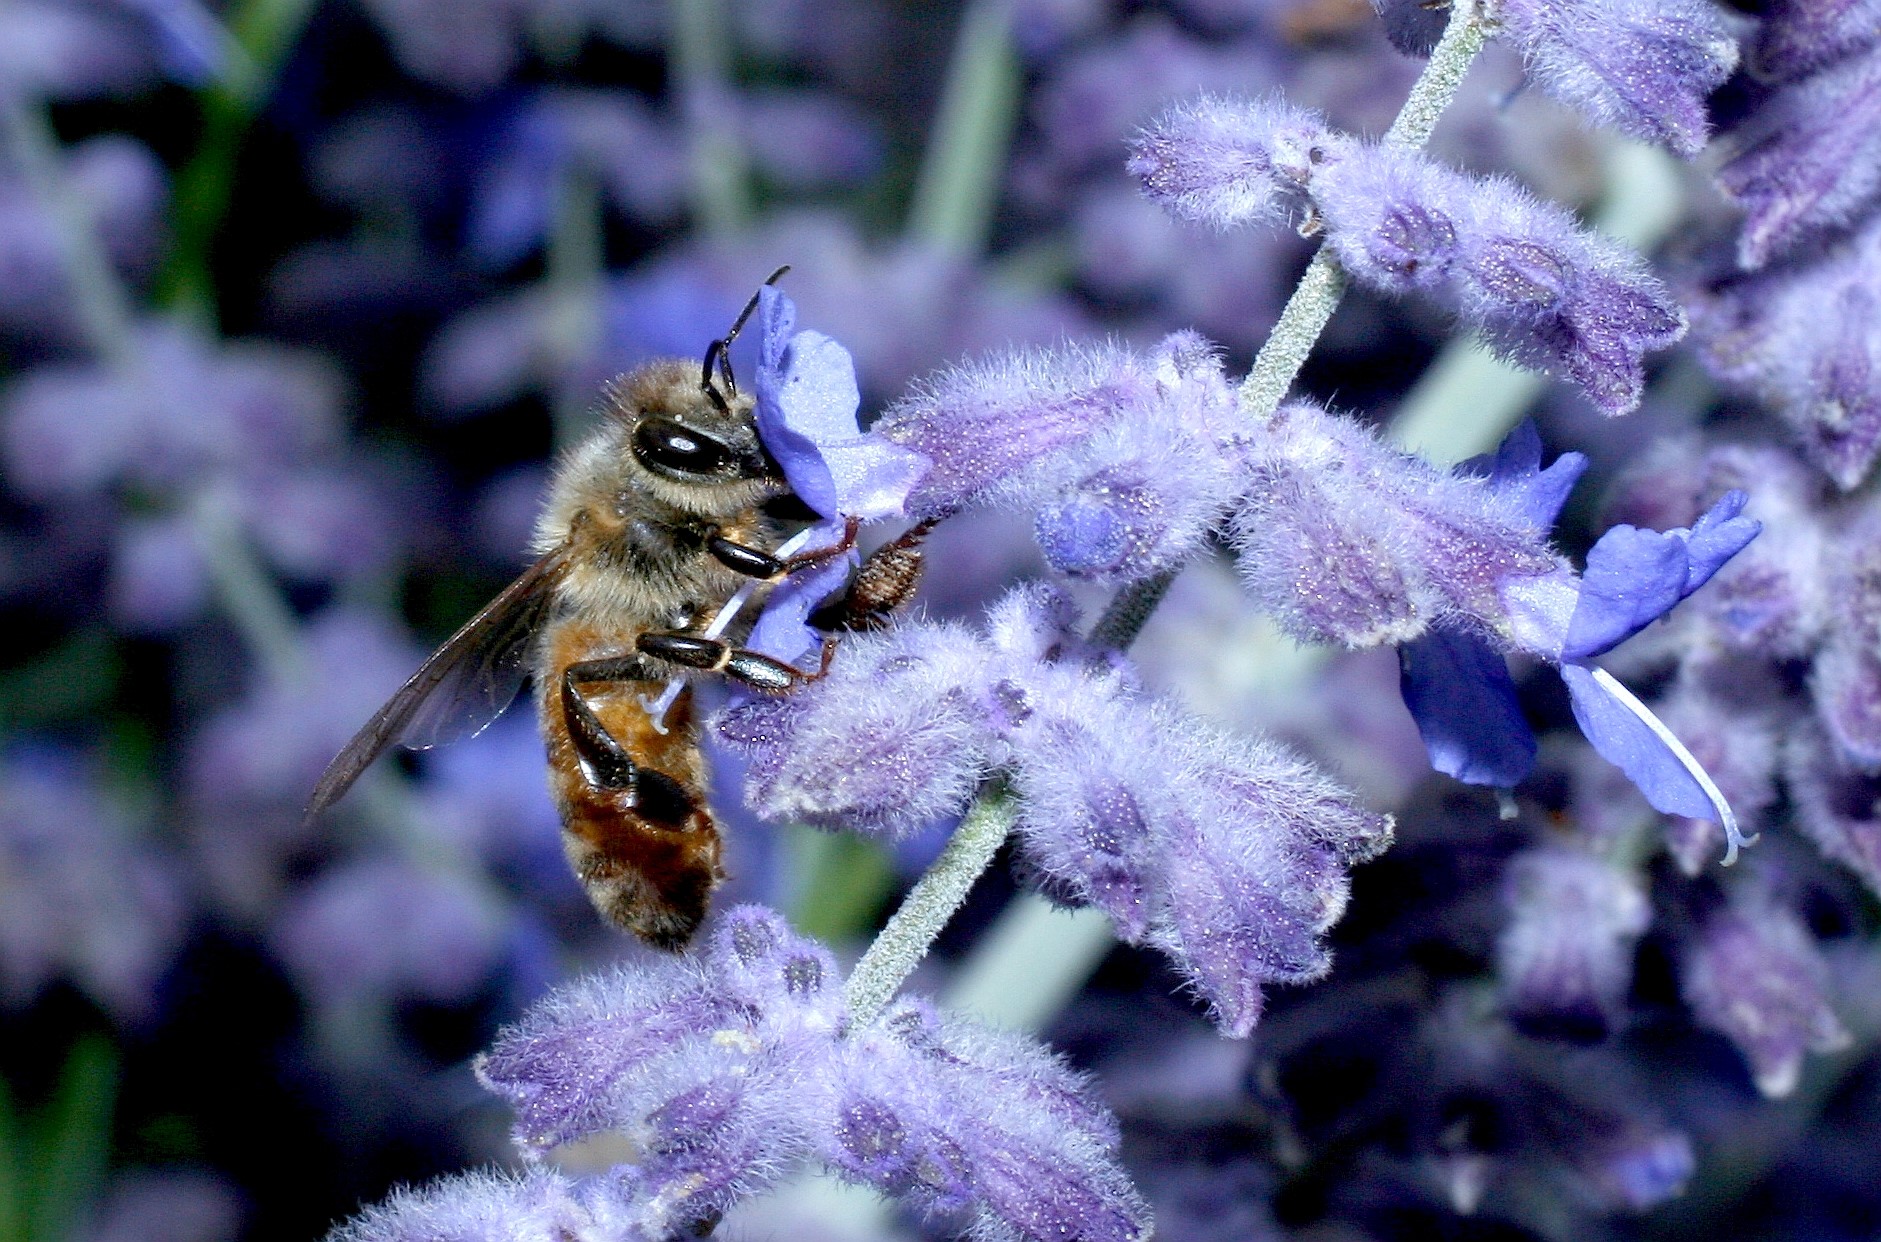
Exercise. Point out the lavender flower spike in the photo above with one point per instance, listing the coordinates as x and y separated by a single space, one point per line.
730 1072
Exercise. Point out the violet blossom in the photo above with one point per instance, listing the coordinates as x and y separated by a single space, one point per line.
1543 292
732 1070
1226 853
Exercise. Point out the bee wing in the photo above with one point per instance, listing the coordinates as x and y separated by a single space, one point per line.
463 686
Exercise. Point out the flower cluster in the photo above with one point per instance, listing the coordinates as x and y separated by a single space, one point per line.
1542 291
1126 463
1226 853
729 1072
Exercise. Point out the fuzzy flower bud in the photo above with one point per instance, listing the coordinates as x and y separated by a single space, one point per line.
911 1121
1809 159
1642 67
732 1071
1566 955
1228 162
1798 37
1756 976
1126 462
1838 806
1543 291
1806 340
1227 853
1344 539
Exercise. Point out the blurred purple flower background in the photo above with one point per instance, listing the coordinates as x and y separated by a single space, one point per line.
1355 747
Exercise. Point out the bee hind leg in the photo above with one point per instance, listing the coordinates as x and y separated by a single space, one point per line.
605 763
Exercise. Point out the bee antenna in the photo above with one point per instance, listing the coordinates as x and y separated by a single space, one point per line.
738 325
715 353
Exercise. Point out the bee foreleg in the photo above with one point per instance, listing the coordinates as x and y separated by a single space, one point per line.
883 586
762 565
712 655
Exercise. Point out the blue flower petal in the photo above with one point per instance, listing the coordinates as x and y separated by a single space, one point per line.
782 631
1459 691
1717 537
1633 577
806 414
1514 469
1627 741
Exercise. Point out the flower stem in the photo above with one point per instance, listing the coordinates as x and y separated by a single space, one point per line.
1021 933
909 934
99 298
264 32
1323 284
960 175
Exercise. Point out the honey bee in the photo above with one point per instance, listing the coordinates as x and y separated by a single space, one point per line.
651 527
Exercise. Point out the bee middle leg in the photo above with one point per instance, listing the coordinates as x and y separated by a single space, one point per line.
713 655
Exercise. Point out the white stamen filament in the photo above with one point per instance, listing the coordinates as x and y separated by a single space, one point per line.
657 706
1733 838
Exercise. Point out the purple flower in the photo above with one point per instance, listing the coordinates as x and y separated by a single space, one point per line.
173 1203
806 415
71 51
891 741
1642 67
82 897
802 140
1543 291
1453 566
1798 37
1809 160
1229 162
379 929
635 157
1345 539
1127 463
533 1205
1227 853
987 426
1837 804
731 1071
159 580
123 184
1806 340
187 407
1565 958
1756 976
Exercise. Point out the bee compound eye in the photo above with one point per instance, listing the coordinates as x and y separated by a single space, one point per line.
668 448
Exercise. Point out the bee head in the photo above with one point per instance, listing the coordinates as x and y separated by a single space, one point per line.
694 449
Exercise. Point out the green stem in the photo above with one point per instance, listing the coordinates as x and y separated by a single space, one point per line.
264 32
1323 284
702 63
959 183
104 309
905 941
